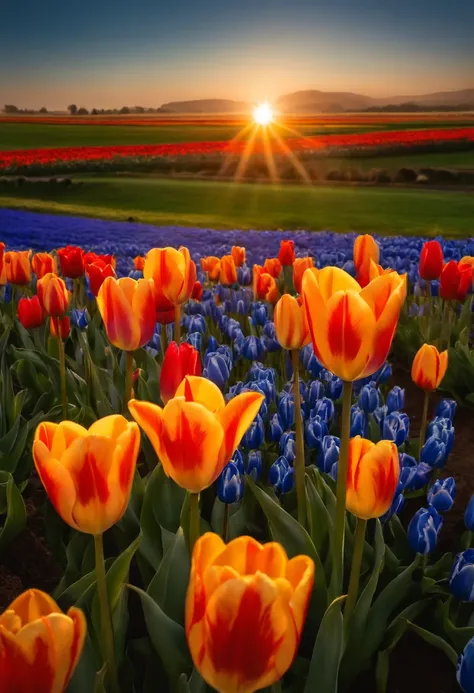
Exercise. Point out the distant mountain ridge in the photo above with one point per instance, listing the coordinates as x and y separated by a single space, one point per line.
205 106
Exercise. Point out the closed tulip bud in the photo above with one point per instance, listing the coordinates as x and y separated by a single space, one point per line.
30 313
461 581
71 261
96 273
372 477
264 597
88 473
334 388
369 398
272 266
288 436
446 408
396 427
441 495
196 323
455 281
173 273
465 668
359 423
40 645
238 254
254 464
217 369
469 515
290 323
17 267
395 400
434 452
329 455
444 430
325 409
275 429
179 361
244 275
420 479
255 434
197 291
281 475
252 349
259 314
424 529
139 263
60 327
53 295
127 308
431 261
286 254
263 283
314 432
408 471
228 275
196 433
300 266
238 460
212 266
352 328
429 367
79 318
106 259
286 410
289 449
43 263
315 392
230 487
366 248
383 374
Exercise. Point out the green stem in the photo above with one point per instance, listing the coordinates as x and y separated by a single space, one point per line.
107 629
128 380
177 323
194 520
62 368
467 540
225 523
339 525
359 540
424 421
299 459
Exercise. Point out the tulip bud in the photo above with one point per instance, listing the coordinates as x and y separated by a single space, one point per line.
173 273
228 274
230 488
424 529
30 313
395 400
325 409
334 388
441 494
314 432
53 295
395 509
71 260
300 265
17 267
329 455
366 248
252 348
369 398
255 434
259 313
429 367
455 281
254 464
281 475
179 361
272 266
275 429
238 255
431 261
60 326
359 423
139 263
211 266
286 254
444 430
217 369
396 427
286 411
461 581
97 272
446 408
197 291
238 460
43 263
465 668
79 318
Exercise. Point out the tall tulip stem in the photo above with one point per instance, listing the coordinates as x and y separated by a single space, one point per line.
299 460
107 629
339 525
353 592
225 523
194 520
62 368
424 421
177 323
128 380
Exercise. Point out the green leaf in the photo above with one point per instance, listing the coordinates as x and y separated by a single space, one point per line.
12 500
319 520
168 499
169 586
382 671
458 636
435 641
85 674
324 668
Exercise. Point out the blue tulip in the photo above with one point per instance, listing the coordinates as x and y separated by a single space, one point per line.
421 477
309 361
446 409
441 495
267 388
244 275
314 432
395 509
254 464
396 427
325 409
461 580
79 318
395 400
217 370
359 423
334 388
315 391
234 390
258 371
226 352
379 415
135 274
257 387
238 460
369 398
230 487
289 450
234 329
195 339
469 515
383 374
255 434
424 529
408 472
329 454
259 314
281 475
275 429
286 437
433 452
443 429
286 410
212 345
465 668
252 348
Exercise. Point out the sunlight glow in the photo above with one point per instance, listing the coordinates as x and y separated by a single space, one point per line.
262 114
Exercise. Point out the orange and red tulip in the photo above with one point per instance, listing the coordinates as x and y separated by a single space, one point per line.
245 610
128 310
264 285
97 272
88 473
352 328
40 645
60 327
179 361
30 312
372 477
196 433
211 265
139 263
238 253
44 263
2 262
455 281
431 261
286 254
290 323
90 257
370 270
71 261
429 367
272 266
228 271
300 265
365 249
18 267
173 273
53 295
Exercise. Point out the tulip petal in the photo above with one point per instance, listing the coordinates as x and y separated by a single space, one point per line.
110 426
236 418
333 279
115 308
25 663
241 554
203 392
206 549
33 604
143 307
57 482
300 574
149 417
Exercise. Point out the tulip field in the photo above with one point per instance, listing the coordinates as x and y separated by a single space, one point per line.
228 462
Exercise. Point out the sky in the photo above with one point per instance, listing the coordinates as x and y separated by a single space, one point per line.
110 53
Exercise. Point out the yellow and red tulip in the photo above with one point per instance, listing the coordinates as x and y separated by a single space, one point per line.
173 273
300 265
128 310
18 267
365 249
196 433
291 325
245 611
372 477
429 367
88 473
228 271
238 253
40 645
264 285
352 328
44 263
53 295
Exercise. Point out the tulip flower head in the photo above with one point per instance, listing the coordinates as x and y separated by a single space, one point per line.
424 529
17 267
173 273
60 327
286 254
53 295
300 266
366 258
43 263
88 473
97 272
461 581
196 433
212 266
228 272
127 308
238 253
178 362
465 668
429 367
441 495
245 611
71 261
431 261
290 323
30 313
352 328
40 646
455 281
272 266
139 263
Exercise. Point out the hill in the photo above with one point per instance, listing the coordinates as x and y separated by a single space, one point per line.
205 106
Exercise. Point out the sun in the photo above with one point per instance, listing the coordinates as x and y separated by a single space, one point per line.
262 114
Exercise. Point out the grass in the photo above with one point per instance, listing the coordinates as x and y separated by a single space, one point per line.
454 160
230 205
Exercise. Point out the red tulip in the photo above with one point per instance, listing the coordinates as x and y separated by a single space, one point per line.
455 281
64 327
30 312
197 291
97 272
71 260
179 361
431 261
286 254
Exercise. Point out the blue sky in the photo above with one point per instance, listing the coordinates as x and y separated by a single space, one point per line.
107 53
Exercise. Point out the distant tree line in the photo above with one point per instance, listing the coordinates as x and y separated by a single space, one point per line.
415 108
11 109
